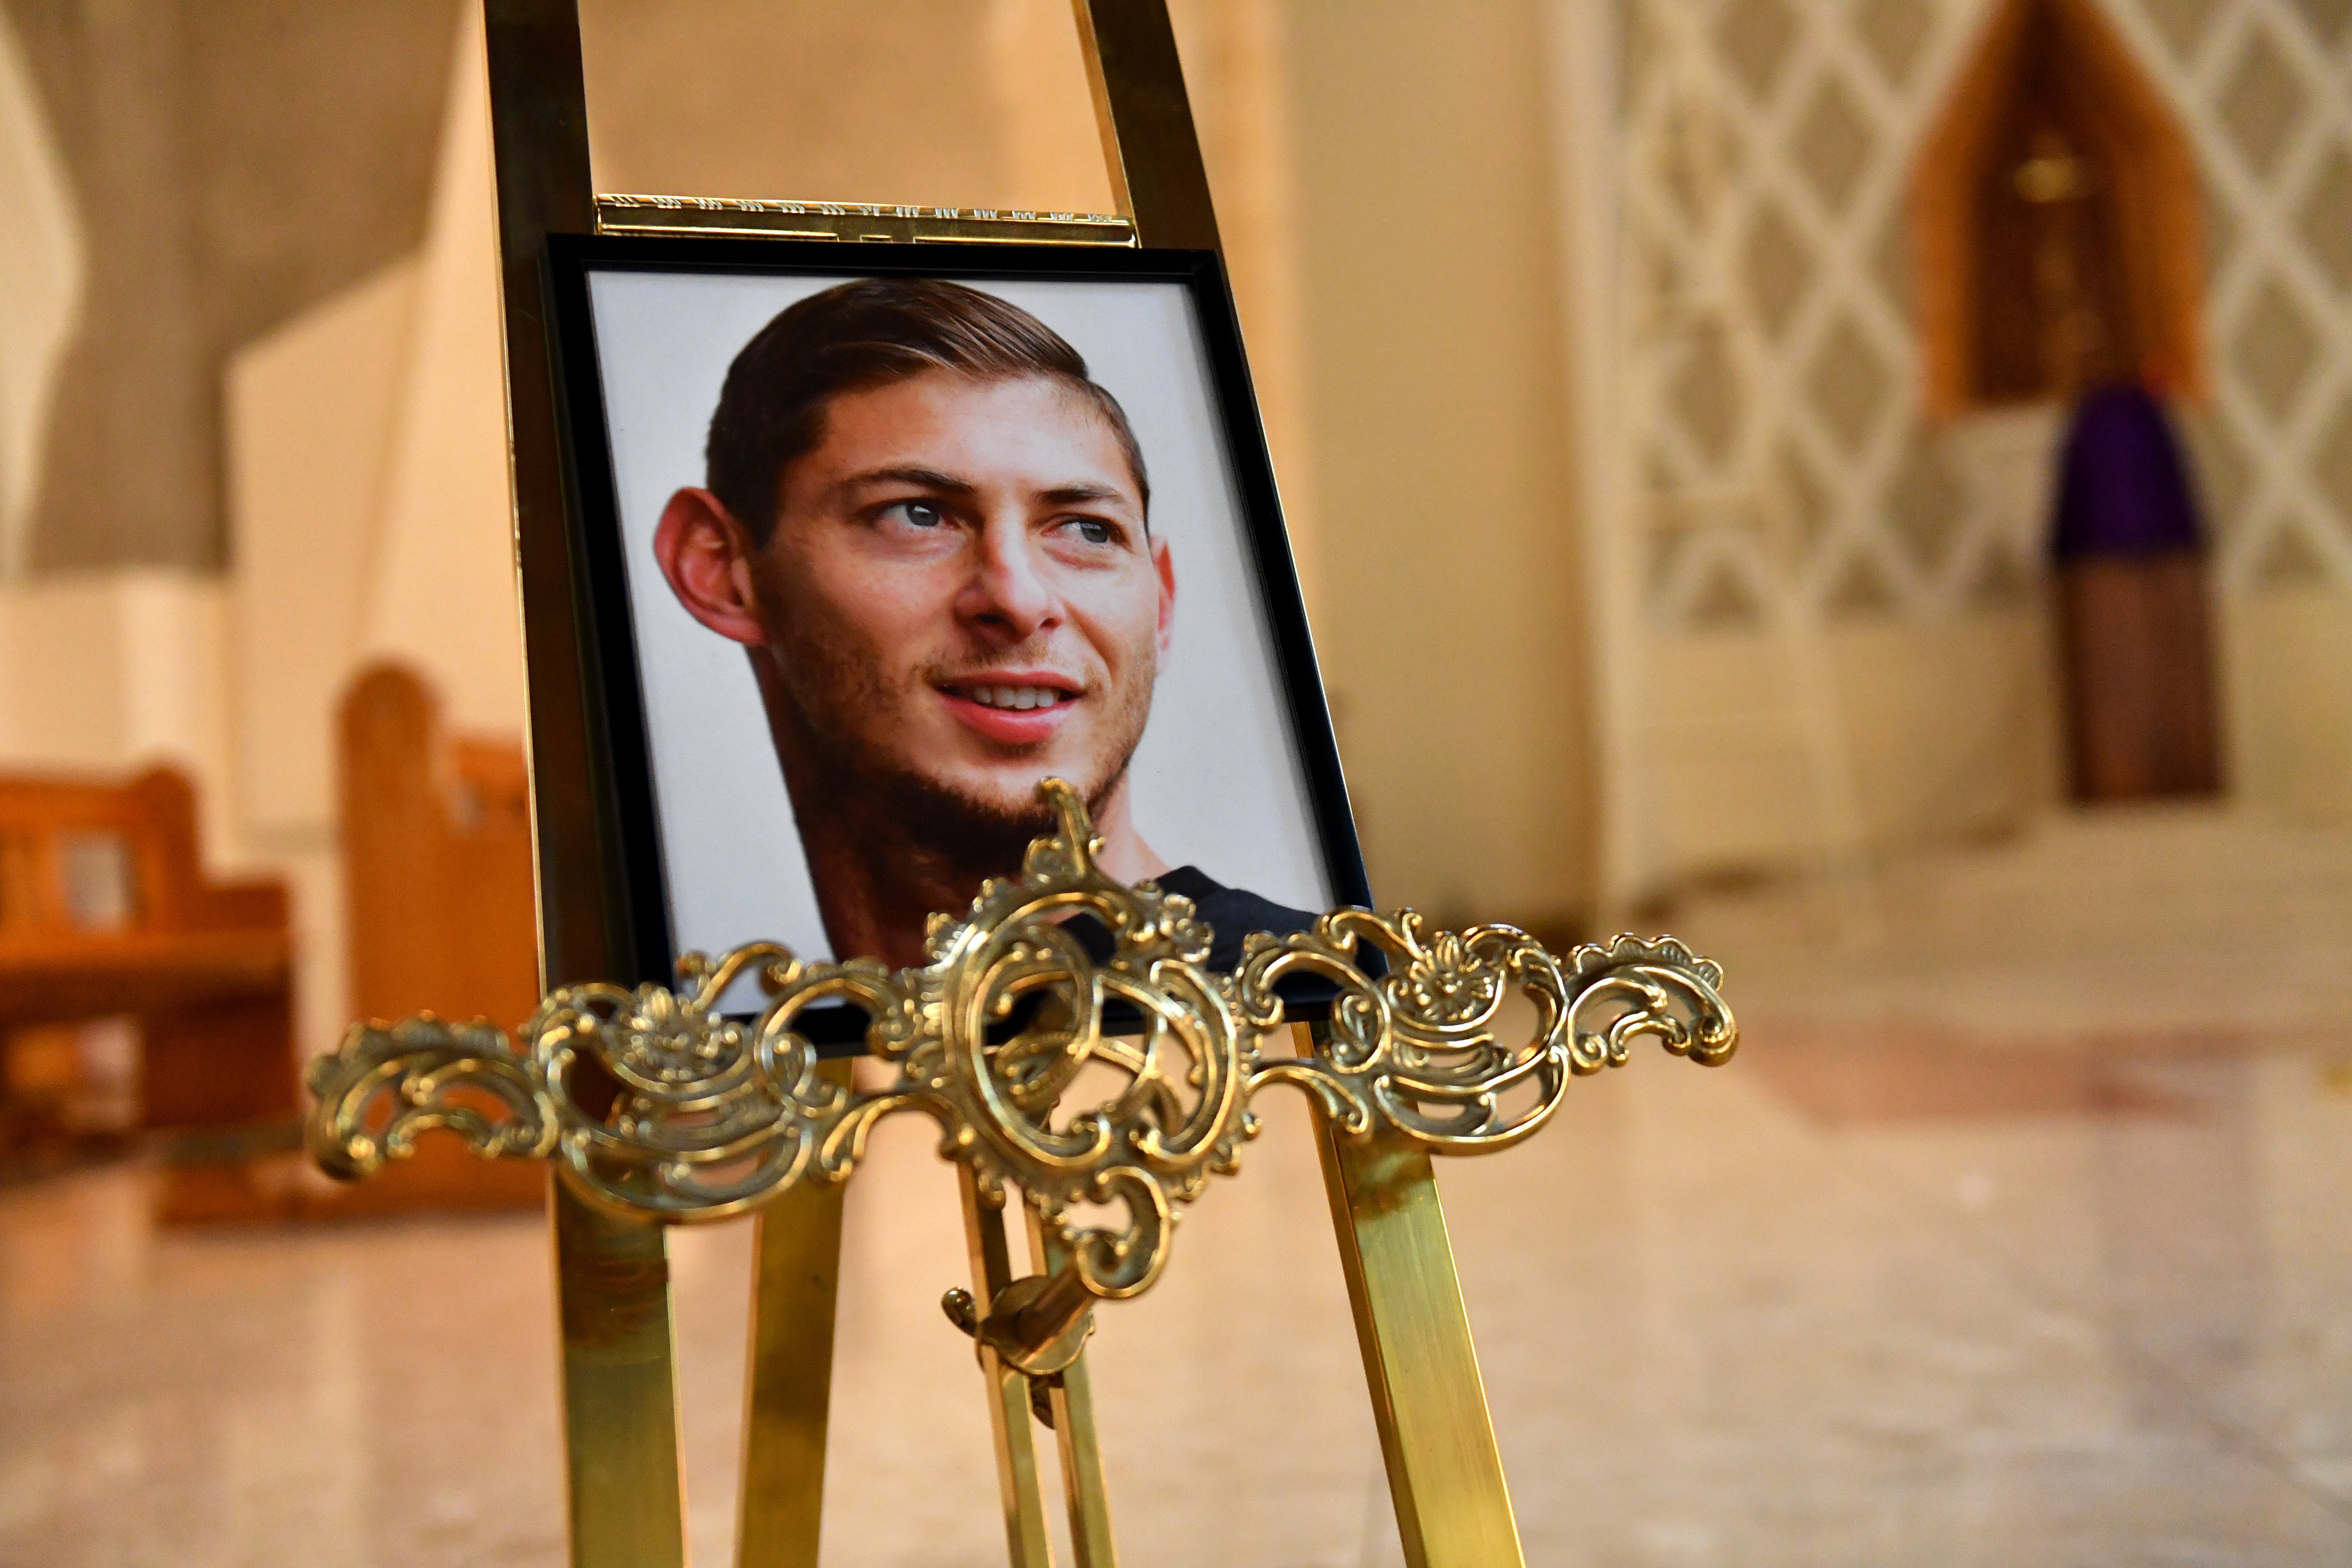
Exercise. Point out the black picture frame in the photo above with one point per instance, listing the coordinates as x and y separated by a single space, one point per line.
621 743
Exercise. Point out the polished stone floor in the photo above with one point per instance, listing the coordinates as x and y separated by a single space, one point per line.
2019 1233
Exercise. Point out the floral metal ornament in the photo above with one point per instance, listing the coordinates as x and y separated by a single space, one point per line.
1066 1037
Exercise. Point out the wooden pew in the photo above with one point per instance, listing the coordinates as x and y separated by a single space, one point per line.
440 910
436 860
105 910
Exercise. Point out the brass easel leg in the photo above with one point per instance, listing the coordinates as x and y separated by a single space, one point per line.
1444 1471
620 1389
1157 177
1008 1391
796 1279
1073 1400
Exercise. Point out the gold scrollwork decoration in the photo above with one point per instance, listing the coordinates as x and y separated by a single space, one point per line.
1066 1035
389 1084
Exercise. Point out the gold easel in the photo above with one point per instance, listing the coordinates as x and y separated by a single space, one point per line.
620 1405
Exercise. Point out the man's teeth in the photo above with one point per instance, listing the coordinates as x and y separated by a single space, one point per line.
1018 698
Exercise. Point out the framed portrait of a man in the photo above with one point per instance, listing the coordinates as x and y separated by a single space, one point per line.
874 537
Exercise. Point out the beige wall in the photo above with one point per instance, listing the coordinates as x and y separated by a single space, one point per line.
2286 667
440 594
312 410
105 671
885 101
1779 752
1450 613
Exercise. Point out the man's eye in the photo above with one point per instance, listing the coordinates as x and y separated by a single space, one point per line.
921 513
1093 530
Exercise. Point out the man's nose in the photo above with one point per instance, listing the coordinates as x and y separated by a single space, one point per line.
1009 595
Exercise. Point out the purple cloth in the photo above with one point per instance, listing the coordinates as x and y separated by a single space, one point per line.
2123 488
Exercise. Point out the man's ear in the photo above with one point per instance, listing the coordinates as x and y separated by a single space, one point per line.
706 555
1164 564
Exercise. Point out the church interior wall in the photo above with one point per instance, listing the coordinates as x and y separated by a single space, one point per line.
1945 730
2288 682
1793 492
440 579
314 416
1842 644
1449 606
106 670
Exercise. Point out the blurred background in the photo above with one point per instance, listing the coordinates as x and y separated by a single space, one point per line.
1863 484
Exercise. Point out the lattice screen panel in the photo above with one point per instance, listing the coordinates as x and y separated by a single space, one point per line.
1773 364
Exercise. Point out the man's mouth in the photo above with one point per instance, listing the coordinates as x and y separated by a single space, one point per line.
1021 710
1013 698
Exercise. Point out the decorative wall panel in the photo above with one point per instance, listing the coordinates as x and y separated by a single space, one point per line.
1785 463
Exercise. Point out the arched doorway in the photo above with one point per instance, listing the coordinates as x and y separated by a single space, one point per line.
2057 229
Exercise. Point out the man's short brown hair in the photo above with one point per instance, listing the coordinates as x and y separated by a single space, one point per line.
857 336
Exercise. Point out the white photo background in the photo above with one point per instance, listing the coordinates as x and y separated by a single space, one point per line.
1216 781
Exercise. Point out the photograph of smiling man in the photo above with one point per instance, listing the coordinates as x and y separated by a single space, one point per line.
931 531
930 539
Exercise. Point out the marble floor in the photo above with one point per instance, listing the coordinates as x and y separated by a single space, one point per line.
2019 1233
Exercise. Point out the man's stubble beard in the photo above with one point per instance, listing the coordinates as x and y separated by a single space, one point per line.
969 836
